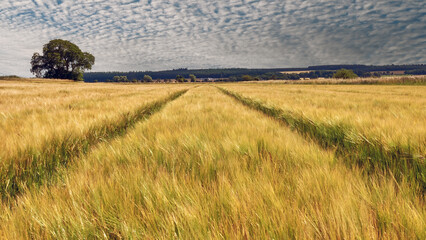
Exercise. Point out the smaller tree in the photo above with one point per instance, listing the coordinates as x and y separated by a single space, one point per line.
193 78
116 78
345 74
247 78
179 78
147 78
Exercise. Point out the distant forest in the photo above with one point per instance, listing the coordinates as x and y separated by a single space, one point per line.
244 74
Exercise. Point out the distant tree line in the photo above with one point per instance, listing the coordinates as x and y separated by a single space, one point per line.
243 74
124 79
283 76
185 73
147 79
416 72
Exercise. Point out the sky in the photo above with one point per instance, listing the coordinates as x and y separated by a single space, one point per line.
140 35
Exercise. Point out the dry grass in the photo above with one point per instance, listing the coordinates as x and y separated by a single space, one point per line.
36 165
208 167
372 155
33 111
395 115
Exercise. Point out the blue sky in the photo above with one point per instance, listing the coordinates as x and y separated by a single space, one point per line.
137 35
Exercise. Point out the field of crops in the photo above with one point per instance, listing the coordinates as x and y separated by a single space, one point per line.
198 161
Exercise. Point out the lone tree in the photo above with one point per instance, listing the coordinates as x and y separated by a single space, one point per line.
345 74
192 77
61 59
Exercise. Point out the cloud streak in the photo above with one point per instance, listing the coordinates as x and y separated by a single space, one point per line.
161 34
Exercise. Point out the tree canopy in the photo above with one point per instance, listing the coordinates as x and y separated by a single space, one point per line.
61 59
120 79
179 78
345 74
147 78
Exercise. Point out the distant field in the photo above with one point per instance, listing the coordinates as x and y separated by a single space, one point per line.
197 161
384 80
296 72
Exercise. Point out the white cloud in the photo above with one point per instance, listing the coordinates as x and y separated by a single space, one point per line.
160 34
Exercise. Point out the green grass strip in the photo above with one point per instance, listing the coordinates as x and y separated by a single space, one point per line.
370 154
33 167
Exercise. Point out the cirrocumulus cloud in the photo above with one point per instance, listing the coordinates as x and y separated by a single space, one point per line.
127 35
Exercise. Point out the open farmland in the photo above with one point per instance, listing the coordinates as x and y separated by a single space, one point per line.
31 113
376 126
212 161
395 115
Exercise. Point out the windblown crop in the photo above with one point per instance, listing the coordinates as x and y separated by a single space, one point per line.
176 161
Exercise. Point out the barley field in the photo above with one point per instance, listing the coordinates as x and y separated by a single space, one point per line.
211 161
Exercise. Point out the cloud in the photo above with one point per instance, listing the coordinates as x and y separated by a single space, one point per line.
162 34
